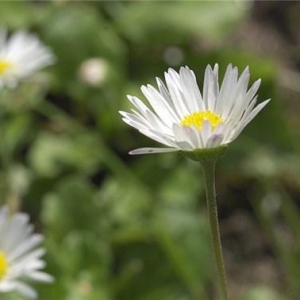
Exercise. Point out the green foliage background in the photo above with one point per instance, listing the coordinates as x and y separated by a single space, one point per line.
122 227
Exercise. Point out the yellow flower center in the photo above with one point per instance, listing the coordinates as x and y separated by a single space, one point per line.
5 65
3 264
197 118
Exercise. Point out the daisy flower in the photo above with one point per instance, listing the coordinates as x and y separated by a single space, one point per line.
21 55
20 259
184 119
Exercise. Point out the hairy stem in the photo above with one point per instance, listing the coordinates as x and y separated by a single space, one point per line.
208 167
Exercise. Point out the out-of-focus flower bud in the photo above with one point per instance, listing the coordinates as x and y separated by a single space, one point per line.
93 71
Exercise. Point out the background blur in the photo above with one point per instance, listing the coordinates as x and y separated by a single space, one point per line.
125 228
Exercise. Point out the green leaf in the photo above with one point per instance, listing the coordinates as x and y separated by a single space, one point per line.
261 293
211 20
52 154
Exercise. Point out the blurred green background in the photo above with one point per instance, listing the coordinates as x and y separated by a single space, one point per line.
135 228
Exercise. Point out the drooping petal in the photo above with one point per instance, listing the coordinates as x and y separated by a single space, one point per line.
152 150
26 290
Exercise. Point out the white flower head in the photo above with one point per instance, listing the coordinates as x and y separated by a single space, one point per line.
183 119
21 55
20 259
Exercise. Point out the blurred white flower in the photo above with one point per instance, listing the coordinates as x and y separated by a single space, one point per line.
93 71
184 120
21 55
20 259
173 56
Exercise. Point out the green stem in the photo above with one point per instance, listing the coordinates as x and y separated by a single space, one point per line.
208 167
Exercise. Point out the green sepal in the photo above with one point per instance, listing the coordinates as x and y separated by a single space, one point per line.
205 154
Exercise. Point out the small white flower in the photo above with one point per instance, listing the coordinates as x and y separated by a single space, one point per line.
93 71
185 120
20 259
21 55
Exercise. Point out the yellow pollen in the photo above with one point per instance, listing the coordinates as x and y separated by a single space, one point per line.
3 264
197 118
5 65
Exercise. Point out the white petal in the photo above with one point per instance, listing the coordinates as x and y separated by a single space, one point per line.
6 286
33 255
135 120
25 246
210 89
224 98
175 93
160 105
206 132
183 137
215 140
193 136
191 90
249 118
138 104
255 111
25 290
198 136
152 150
41 276
219 129
179 133
252 91
184 146
13 234
238 96
165 93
